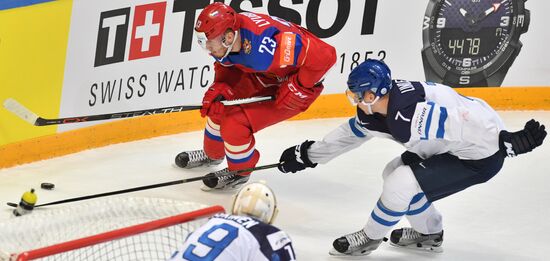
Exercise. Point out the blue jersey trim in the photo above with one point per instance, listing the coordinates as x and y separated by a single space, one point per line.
356 131
212 136
420 210
442 118
417 198
240 160
383 221
389 212
429 121
297 48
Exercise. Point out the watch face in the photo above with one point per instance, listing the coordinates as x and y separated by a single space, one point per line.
468 36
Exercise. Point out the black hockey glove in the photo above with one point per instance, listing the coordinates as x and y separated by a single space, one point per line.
523 141
295 158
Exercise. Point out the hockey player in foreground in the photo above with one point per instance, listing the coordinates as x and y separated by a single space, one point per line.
452 142
247 234
255 55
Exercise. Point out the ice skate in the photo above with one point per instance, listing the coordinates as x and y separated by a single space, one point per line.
220 180
195 158
410 238
354 244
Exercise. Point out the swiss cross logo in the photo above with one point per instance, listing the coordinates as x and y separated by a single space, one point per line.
146 39
147 31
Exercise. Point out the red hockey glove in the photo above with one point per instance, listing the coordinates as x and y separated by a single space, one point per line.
210 103
292 95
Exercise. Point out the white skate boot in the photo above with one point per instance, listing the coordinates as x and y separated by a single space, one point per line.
354 244
409 238
220 180
195 158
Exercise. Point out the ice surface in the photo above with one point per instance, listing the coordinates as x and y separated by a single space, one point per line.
502 219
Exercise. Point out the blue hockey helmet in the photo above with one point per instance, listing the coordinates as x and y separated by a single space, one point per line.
371 75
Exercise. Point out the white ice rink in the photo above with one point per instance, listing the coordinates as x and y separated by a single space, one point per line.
503 219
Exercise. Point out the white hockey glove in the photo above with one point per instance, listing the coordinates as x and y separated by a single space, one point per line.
295 158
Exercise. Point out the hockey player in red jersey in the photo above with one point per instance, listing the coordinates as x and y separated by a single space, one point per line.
256 55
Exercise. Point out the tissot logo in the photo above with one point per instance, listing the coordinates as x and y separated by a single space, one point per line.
148 25
146 38
111 36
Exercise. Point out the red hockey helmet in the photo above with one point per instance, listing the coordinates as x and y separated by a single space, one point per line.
215 19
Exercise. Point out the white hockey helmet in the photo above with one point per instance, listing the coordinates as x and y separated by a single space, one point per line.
256 200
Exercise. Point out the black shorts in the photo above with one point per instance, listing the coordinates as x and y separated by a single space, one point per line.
444 174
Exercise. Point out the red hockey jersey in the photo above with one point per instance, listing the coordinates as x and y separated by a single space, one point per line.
273 49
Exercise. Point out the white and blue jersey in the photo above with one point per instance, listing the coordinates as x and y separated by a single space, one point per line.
427 118
236 238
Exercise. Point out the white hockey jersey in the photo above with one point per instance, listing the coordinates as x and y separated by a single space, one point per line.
427 118
236 238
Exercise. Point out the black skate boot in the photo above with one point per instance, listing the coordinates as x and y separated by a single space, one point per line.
195 158
410 238
354 244
220 180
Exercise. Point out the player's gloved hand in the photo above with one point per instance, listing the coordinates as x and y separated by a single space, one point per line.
211 105
292 95
523 141
295 158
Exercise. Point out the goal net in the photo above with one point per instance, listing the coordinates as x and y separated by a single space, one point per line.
106 229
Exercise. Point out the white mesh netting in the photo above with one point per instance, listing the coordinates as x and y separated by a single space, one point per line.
45 227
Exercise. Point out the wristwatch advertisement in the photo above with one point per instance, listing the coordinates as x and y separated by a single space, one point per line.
472 43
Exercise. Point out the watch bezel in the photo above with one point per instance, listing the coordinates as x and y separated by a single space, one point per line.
499 61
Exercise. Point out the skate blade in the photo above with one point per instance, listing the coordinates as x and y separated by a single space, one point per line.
178 167
198 168
206 188
220 190
432 249
333 252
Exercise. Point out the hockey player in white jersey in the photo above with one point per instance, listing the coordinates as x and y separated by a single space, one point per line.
452 142
244 235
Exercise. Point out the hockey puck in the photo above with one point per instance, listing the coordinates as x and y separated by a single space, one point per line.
47 186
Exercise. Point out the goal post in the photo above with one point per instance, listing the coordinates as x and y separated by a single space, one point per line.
158 228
